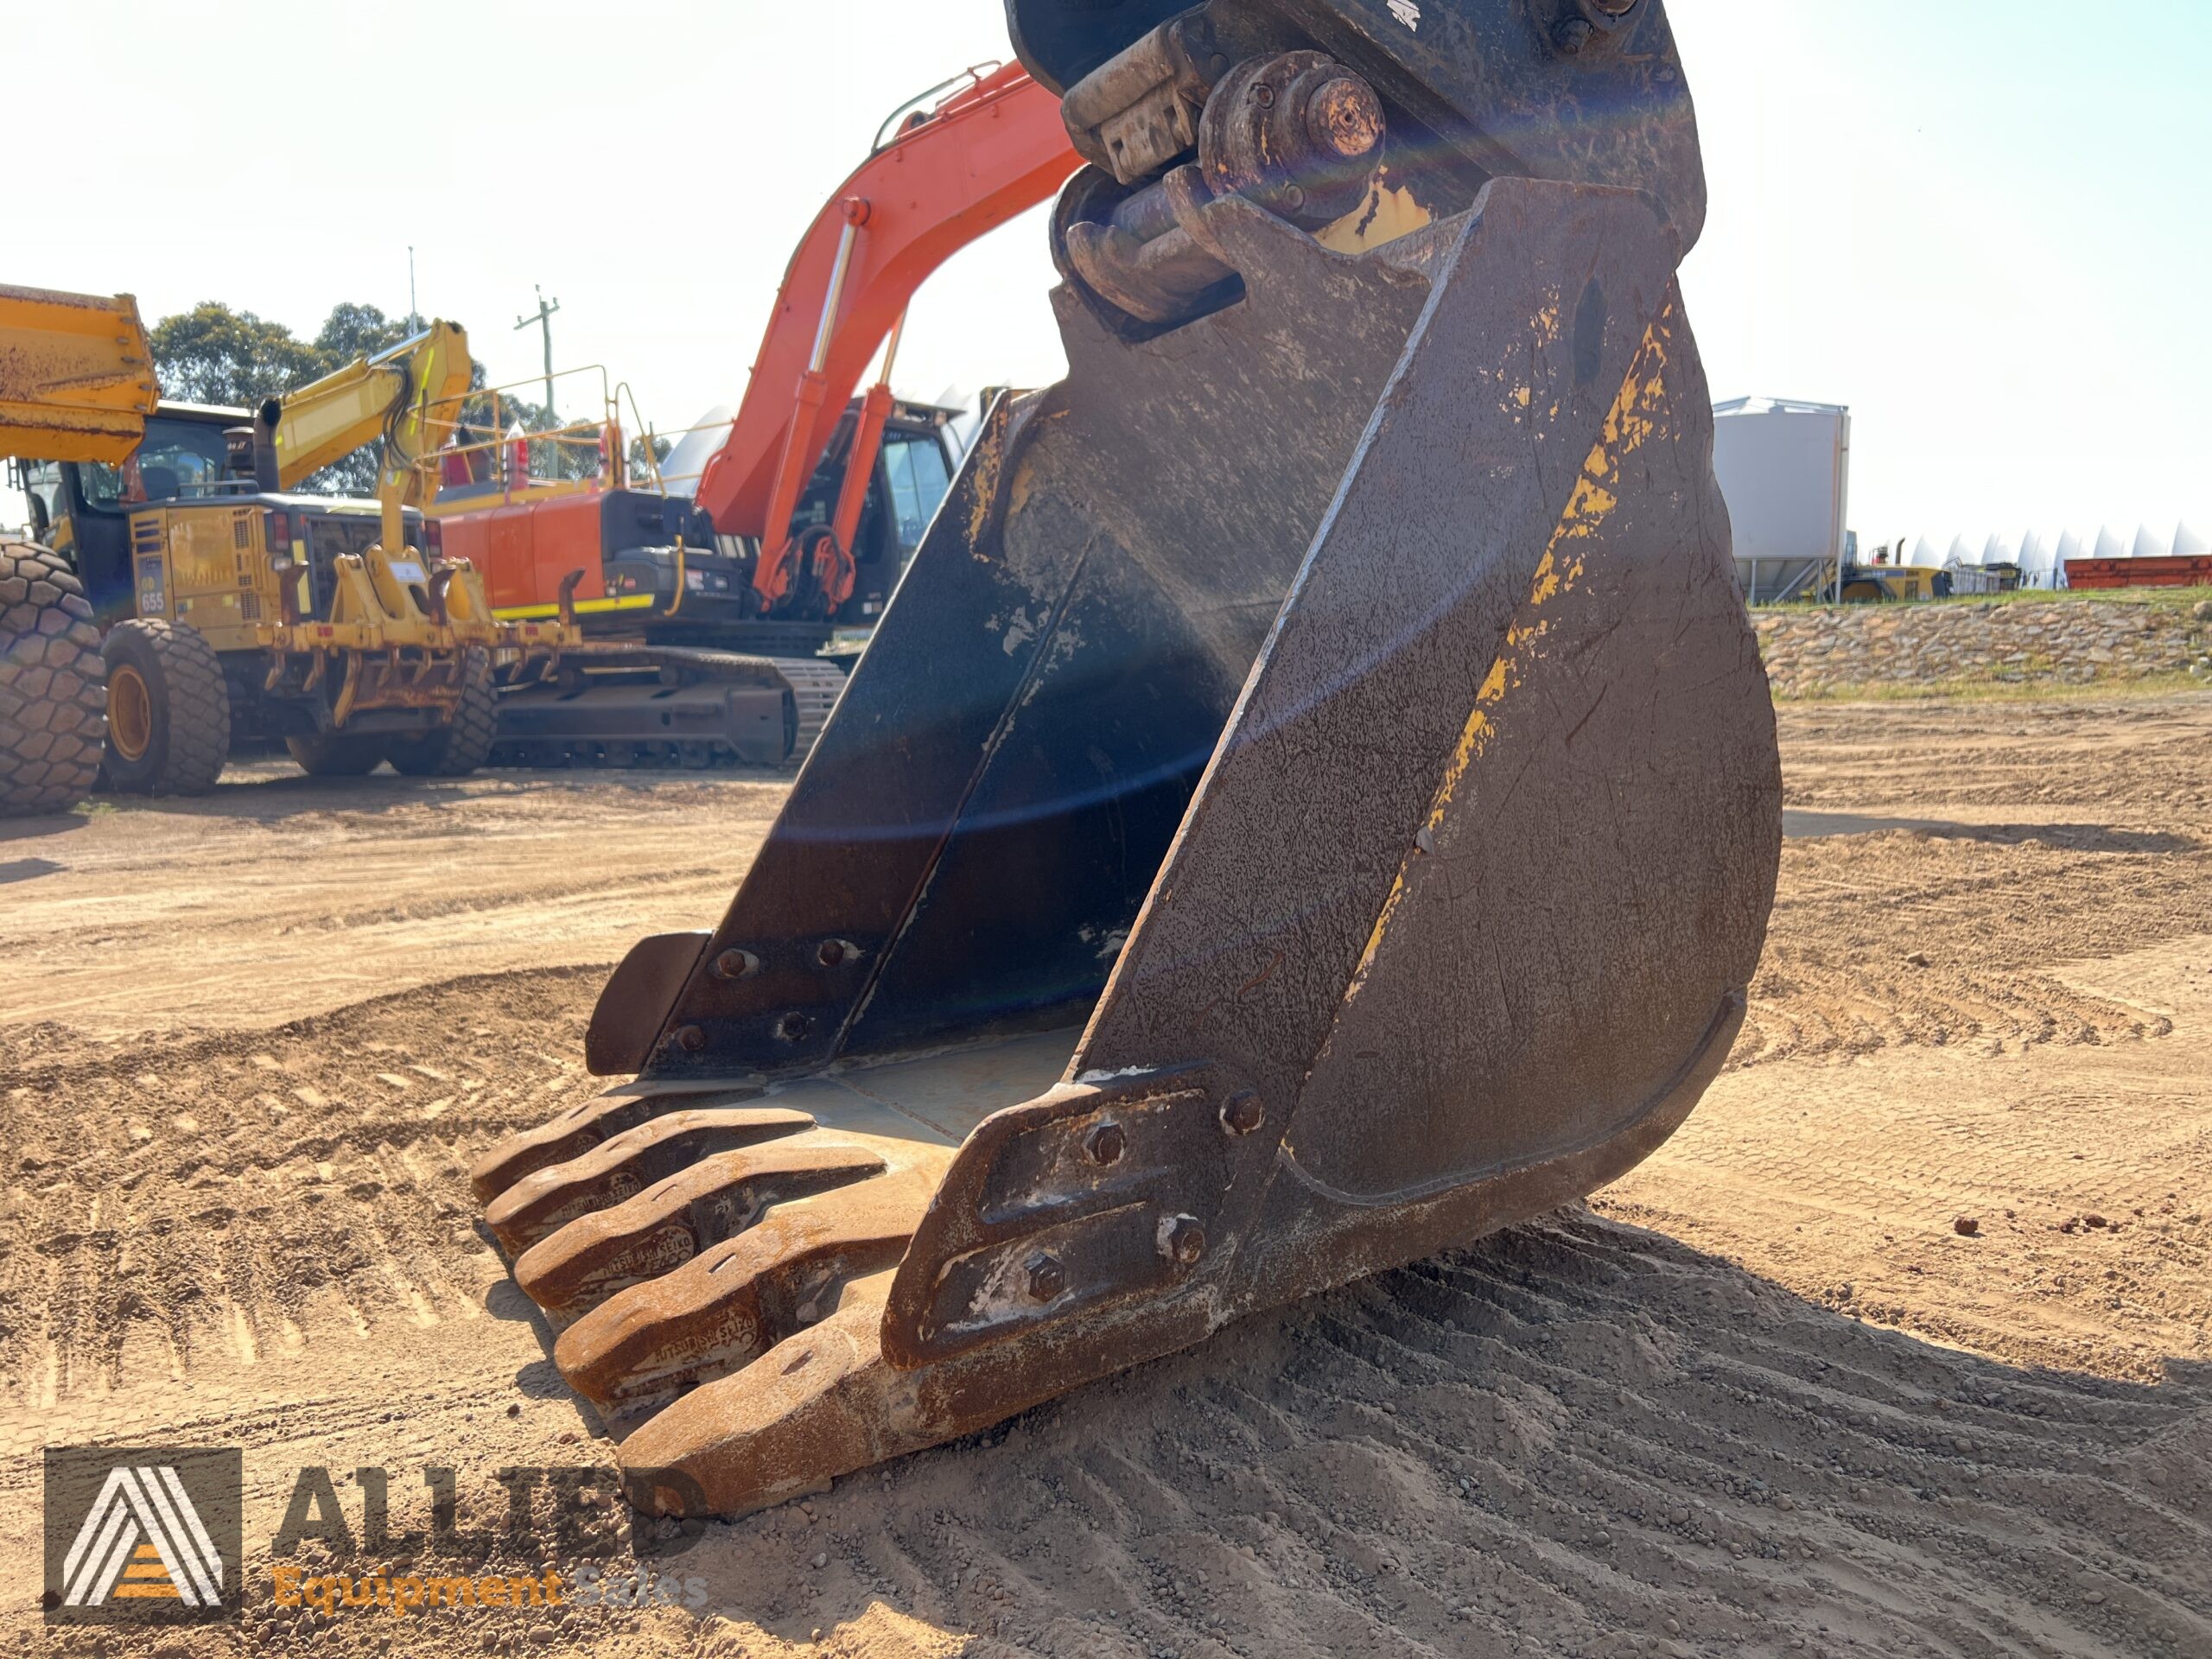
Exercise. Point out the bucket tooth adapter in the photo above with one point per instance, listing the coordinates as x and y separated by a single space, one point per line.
1313 800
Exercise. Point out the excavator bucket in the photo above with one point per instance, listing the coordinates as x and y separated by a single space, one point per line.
1313 801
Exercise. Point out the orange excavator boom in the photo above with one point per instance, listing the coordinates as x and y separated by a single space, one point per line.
991 150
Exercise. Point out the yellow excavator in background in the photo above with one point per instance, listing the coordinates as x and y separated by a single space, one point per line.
231 606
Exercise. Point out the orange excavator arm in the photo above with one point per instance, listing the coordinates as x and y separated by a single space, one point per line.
991 150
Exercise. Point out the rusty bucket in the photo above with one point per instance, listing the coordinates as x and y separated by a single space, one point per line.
1313 801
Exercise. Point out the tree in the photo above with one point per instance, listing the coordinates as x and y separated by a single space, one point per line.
351 331
211 355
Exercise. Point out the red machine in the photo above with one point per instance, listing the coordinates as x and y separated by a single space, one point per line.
2183 570
804 519
994 149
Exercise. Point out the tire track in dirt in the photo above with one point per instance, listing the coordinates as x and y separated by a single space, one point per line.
317 894
1936 918
195 1199
2132 756
1576 1437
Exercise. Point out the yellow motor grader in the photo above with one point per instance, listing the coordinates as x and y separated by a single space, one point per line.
180 594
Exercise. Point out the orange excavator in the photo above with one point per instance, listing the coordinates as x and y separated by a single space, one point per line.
705 614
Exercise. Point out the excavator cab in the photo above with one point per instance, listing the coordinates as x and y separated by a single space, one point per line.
1313 801
912 472
683 667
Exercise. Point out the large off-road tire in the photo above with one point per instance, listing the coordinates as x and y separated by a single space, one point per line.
336 755
464 743
50 684
169 711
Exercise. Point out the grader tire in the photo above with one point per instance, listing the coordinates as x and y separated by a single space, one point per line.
464 743
169 710
50 684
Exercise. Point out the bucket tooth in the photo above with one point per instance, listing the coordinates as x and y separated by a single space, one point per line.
580 1128
578 1267
732 1303
1313 801
818 1402
619 1169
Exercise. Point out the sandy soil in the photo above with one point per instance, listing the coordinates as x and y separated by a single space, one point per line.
282 895
1903 1346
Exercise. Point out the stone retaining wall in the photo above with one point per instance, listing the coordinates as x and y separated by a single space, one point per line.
1810 650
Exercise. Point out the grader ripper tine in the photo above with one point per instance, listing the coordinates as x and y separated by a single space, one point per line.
1313 801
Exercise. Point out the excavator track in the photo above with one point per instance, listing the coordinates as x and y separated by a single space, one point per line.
680 706
1314 800
816 684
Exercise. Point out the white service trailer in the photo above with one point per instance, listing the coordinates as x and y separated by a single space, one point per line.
1785 471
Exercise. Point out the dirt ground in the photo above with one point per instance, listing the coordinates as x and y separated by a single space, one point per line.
1903 1346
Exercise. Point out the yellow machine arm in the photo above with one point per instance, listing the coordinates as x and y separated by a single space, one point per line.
76 375
405 396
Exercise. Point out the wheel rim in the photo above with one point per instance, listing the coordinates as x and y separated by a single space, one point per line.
130 713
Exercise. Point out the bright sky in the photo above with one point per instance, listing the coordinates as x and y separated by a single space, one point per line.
1979 223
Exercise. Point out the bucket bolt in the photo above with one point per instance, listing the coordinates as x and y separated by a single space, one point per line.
834 953
1241 1113
690 1039
1105 1144
736 964
1047 1278
1182 1241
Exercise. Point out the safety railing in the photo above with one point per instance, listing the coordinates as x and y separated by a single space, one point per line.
487 454
489 450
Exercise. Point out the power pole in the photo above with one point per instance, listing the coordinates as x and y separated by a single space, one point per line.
412 313
543 319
